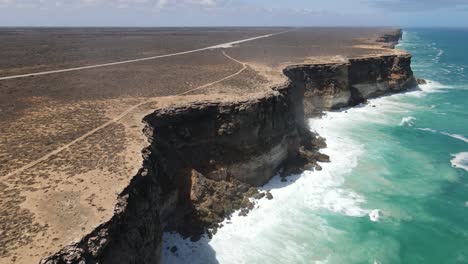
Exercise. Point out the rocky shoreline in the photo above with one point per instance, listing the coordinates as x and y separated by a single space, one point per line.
204 160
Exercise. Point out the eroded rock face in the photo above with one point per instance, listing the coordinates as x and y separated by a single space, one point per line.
213 153
326 86
246 140
332 86
211 202
376 76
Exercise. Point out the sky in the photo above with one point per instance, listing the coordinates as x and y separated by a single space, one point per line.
156 13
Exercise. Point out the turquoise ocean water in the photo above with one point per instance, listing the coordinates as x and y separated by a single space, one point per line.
396 190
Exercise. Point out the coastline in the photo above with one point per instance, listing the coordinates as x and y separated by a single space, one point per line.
98 249
325 190
324 187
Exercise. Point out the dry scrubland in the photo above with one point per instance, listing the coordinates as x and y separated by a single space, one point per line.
70 142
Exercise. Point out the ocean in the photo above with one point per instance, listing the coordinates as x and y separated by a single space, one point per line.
396 190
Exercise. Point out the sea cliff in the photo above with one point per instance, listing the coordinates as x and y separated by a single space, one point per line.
337 85
203 160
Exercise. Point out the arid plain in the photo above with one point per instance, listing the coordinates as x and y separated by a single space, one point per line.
71 137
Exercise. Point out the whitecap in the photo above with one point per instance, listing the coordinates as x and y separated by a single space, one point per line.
374 215
408 121
428 88
440 53
460 161
428 129
325 261
433 86
456 136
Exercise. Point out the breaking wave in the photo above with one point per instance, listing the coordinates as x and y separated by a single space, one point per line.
460 161
455 136
408 121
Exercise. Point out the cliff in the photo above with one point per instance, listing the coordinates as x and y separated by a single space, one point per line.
391 39
203 159
332 86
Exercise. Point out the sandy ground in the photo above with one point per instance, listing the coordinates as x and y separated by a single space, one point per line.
70 142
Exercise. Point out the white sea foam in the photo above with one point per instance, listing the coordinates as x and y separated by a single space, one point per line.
374 215
440 53
455 136
460 161
428 129
408 121
325 261
460 137
428 88
433 87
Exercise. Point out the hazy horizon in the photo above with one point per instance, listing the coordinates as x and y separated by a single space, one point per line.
227 13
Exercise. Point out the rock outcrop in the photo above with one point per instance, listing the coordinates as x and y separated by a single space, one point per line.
203 159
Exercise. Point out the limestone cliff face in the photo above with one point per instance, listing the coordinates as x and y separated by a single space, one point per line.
332 86
372 77
246 140
222 145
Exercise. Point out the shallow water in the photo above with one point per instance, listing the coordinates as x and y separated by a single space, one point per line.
396 190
